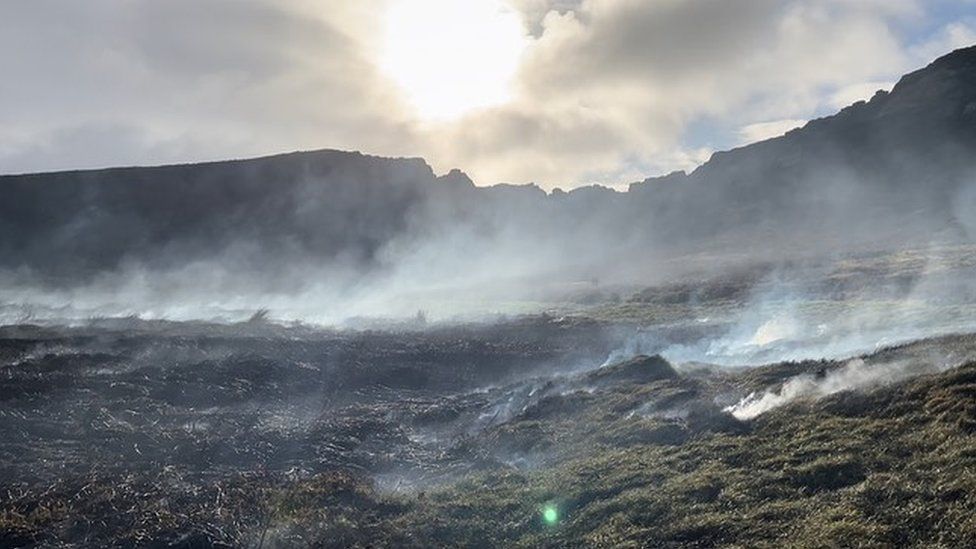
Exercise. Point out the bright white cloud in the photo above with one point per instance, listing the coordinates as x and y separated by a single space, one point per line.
762 131
848 95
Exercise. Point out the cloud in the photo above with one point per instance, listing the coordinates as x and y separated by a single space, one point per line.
605 89
225 78
616 82
952 36
864 91
762 131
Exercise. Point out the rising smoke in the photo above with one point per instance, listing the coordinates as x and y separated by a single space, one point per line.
328 236
855 375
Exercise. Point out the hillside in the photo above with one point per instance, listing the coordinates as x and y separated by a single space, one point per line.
507 436
893 171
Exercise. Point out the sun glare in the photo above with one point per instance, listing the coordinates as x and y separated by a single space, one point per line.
451 57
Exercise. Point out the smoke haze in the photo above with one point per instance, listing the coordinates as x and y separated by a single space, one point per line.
330 236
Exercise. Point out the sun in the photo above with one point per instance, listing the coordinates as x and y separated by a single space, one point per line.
450 57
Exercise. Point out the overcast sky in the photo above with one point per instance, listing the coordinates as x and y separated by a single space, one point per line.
557 92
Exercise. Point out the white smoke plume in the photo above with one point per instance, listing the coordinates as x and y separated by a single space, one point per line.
856 375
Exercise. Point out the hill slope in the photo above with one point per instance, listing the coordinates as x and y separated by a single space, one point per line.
898 169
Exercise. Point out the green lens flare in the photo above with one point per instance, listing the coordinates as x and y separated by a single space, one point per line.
550 514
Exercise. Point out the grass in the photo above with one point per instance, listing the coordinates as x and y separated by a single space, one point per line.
805 476
633 455
893 467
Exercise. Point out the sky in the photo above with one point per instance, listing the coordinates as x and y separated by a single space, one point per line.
560 93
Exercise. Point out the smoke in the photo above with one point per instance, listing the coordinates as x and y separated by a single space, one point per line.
855 375
809 310
331 237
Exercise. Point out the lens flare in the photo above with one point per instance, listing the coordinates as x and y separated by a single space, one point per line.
550 515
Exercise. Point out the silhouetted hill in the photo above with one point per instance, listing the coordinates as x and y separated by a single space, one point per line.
325 202
896 169
900 165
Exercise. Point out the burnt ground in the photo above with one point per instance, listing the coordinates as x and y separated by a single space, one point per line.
129 433
178 415
135 433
